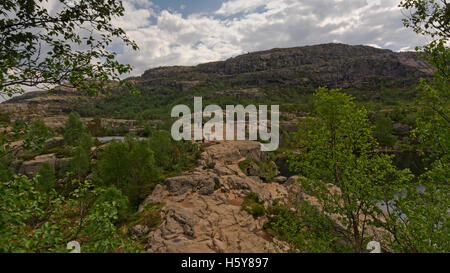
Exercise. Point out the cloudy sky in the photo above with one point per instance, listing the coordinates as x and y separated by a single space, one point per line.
188 32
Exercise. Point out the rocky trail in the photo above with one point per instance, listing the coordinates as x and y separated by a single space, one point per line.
202 208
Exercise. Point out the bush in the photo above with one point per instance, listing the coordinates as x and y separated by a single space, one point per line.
305 228
131 167
266 170
112 194
6 172
253 206
46 177
150 216
37 134
35 221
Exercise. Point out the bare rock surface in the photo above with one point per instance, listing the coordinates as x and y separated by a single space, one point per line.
202 208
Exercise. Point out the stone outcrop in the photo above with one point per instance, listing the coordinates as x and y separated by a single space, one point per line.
202 209
31 167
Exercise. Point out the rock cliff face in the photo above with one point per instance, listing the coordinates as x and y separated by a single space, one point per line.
202 209
328 64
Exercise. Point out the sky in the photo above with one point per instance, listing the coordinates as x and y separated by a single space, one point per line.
181 32
189 32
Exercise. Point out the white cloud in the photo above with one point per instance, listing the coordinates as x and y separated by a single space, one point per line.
239 26
237 6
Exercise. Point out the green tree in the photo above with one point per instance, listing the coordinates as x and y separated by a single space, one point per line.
428 17
67 47
6 172
161 143
111 194
131 167
86 142
340 167
46 177
114 164
144 172
383 131
80 162
37 134
419 219
73 129
305 228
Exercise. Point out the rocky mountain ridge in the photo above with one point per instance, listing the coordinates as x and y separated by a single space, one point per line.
326 64
276 73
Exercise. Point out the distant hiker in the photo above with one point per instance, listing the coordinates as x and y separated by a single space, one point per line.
248 171
203 126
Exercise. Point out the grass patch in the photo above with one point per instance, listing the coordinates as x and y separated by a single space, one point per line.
266 170
28 157
244 164
253 206
150 216
60 152
305 229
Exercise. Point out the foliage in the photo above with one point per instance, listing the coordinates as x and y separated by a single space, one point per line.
383 131
339 165
427 17
81 160
161 144
131 167
37 134
46 177
6 172
150 216
252 205
305 228
68 47
73 129
266 170
418 219
112 194
37 221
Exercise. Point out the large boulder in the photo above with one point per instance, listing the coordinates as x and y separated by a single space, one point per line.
204 183
31 167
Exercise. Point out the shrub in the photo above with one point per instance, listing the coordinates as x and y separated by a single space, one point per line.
253 206
112 194
46 177
150 216
305 228
37 134
131 167
80 162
